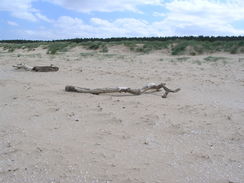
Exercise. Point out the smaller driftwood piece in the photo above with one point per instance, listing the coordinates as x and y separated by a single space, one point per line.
150 86
26 67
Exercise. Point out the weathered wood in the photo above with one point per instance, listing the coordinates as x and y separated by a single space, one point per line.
97 91
45 68
50 68
167 91
23 66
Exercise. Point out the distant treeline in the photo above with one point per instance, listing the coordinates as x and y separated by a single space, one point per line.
80 40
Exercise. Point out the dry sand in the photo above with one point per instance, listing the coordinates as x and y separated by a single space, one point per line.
193 136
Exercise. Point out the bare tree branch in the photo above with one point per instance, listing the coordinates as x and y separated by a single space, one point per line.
97 91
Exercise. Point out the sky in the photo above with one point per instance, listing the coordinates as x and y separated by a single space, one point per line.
65 19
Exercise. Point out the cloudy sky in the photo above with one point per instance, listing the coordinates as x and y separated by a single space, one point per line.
62 19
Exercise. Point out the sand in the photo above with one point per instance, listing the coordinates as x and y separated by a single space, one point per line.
52 136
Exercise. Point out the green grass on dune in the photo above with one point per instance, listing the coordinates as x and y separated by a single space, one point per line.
10 47
174 47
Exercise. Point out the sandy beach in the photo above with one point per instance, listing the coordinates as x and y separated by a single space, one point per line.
52 136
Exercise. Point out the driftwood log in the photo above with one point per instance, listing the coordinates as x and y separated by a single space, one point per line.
97 91
50 68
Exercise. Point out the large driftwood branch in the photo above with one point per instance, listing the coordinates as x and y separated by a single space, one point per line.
26 67
97 91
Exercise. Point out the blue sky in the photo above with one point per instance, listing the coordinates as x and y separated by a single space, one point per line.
63 19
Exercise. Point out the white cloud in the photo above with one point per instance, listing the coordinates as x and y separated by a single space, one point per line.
64 27
67 27
183 17
134 27
12 23
102 28
19 8
101 22
43 17
37 34
222 10
158 14
105 5
23 9
206 17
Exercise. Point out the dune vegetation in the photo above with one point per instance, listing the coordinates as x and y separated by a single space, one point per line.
172 45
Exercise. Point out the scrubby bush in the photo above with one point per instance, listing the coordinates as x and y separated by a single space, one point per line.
55 47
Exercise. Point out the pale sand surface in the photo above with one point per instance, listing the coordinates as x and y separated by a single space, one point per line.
49 135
